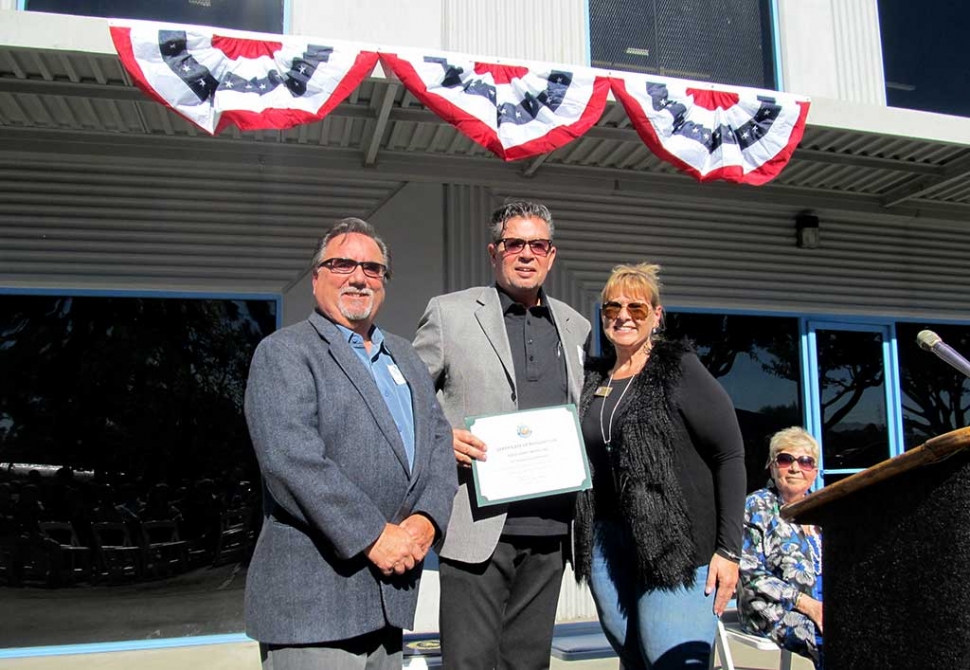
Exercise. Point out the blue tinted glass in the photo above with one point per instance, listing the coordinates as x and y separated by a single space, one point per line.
755 358
936 397
129 493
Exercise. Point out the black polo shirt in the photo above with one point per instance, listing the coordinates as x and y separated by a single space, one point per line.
540 381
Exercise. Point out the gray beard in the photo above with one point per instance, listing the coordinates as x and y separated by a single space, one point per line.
356 314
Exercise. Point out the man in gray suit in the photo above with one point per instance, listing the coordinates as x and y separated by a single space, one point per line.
497 349
358 476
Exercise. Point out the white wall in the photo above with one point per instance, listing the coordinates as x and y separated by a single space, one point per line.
548 30
832 49
415 23
411 222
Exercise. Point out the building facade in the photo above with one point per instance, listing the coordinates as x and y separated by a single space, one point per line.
122 222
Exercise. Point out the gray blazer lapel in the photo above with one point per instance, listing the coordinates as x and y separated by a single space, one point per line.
490 318
345 358
571 348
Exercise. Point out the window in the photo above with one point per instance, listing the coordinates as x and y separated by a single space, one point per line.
925 53
257 15
755 358
727 41
935 397
129 492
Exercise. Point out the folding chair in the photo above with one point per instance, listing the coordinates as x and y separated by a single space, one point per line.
729 629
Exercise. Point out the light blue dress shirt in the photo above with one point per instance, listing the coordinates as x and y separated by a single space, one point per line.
397 396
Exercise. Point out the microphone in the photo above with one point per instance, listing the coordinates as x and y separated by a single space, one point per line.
930 341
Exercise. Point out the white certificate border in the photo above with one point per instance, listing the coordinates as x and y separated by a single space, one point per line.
587 482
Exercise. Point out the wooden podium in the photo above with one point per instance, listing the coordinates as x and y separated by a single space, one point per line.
896 559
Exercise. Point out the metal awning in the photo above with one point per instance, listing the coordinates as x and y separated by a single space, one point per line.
71 97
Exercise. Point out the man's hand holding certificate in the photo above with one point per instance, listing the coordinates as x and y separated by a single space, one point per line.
531 453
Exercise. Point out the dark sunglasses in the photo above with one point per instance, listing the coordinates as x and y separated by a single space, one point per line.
804 462
515 245
344 266
638 311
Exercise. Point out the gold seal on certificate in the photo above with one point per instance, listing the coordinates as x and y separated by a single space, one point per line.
531 453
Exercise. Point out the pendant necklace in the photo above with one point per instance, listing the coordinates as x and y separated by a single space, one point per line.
607 432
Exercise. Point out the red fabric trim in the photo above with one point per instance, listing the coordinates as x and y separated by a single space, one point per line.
773 167
733 173
501 74
563 135
122 41
481 133
281 119
713 100
237 47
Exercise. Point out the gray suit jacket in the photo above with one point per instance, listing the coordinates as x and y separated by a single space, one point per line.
463 340
334 472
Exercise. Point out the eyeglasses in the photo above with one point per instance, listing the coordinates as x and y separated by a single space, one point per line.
345 266
516 245
804 462
638 311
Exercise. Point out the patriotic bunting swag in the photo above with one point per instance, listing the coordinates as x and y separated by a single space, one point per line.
740 135
513 112
745 137
214 80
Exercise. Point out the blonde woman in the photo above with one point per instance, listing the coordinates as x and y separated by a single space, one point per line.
658 537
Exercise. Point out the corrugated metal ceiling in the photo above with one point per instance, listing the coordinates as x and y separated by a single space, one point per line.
90 94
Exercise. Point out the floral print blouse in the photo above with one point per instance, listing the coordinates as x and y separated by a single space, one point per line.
778 561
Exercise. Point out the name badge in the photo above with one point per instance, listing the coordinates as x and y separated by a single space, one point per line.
603 391
396 375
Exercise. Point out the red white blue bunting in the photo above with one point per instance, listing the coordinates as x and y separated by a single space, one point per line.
215 80
513 111
741 135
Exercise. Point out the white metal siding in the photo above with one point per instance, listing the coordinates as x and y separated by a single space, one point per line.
549 30
166 225
742 255
859 51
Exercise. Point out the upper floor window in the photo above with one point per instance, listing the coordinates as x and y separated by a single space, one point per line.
728 42
265 16
924 53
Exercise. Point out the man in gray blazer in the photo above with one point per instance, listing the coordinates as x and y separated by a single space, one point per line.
497 349
358 472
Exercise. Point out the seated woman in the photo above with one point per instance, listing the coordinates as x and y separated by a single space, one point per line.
780 590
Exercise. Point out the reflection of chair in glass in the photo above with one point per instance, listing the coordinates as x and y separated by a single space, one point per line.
166 552
75 560
117 555
234 534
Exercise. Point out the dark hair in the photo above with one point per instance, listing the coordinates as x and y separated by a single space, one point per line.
518 208
345 227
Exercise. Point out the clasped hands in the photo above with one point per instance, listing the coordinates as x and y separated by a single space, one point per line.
401 546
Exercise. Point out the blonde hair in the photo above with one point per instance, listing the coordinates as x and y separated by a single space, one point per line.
634 279
794 437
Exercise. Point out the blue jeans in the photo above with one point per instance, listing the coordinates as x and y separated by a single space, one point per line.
650 630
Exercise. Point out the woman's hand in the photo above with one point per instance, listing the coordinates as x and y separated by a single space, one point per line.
811 608
722 574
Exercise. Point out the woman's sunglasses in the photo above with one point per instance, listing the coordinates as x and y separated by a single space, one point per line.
638 311
804 462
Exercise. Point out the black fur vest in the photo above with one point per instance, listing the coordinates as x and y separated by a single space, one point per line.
650 502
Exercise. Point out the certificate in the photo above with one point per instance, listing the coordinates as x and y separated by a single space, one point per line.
531 453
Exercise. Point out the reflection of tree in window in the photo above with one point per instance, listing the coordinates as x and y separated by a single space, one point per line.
756 360
126 384
854 428
936 398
